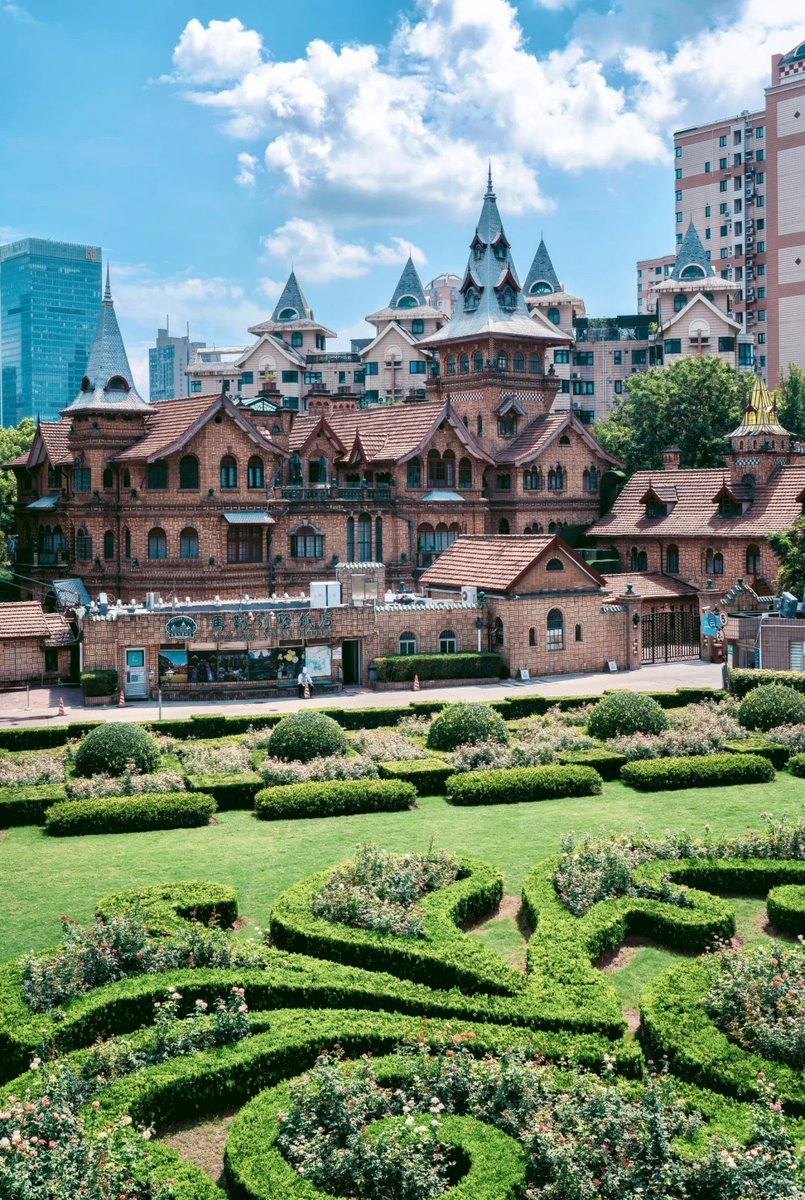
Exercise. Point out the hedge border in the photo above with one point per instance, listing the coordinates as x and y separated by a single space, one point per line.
236 790
428 775
518 785
785 906
28 805
678 772
333 798
129 814
166 907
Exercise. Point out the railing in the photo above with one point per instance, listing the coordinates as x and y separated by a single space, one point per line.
316 493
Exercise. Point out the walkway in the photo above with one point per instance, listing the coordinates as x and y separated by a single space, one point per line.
43 703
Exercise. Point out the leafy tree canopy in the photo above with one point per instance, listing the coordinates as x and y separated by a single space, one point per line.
791 401
693 405
790 549
14 440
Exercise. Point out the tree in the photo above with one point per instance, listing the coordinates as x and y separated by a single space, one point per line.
692 405
790 549
14 440
791 401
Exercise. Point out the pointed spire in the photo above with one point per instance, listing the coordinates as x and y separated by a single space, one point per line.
409 292
691 261
541 277
107 294
489 188
292 305
108 382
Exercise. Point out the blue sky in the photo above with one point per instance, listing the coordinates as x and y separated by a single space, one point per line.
206 147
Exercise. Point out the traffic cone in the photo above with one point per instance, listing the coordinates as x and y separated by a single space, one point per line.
122 701
416 683
62 712
307 690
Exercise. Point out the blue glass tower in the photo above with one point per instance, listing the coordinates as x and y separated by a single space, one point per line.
50 301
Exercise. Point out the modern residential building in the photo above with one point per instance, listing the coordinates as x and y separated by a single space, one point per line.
443 292
168 362
651 271
741 180
395 366
50 301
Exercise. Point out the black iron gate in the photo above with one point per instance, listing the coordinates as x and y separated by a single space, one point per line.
670 635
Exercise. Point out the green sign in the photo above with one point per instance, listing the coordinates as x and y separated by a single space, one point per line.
181 627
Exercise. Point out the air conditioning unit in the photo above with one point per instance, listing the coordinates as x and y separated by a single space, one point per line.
469 594
574 374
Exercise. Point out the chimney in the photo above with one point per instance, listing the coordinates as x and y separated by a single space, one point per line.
670 458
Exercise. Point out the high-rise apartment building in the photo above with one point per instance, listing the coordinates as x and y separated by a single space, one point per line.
50 301
167 365
741 180
651 271
443 292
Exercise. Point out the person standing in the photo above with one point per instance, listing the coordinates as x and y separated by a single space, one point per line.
305 680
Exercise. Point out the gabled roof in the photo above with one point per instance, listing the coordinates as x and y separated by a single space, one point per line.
172 423
498 563
59 632
541 271
392 325
108 383
23 619
661 492
539 434
692 254
278 344
303 437
701 300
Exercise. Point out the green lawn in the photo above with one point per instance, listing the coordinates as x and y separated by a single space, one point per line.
43 877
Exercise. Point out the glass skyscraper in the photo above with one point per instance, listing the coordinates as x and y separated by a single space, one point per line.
50 301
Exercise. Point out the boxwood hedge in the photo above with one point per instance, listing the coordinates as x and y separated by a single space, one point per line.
129 814
514 785
744 680
776 753
28 805
236 790
786 908
700 770
166 907
333 798
403 667
428 775
606 762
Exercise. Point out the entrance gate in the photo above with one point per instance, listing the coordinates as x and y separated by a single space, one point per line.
670 635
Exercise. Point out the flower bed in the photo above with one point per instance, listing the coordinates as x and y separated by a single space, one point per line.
758 999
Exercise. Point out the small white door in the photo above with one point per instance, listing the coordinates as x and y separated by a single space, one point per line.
136 681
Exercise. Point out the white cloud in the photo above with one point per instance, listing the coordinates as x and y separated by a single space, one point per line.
318 255
216 53
247 167
19 13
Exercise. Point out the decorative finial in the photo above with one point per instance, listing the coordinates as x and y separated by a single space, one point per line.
489 190
107 295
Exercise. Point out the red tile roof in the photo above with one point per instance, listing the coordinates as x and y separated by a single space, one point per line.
486 561
59 632
172 422
649 586
775 506
22 620
55 435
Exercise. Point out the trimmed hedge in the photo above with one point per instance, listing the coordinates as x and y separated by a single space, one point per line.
396 668
237 790
44 737
306 735
785 906
771 705
776 753
99 683
514 785
166 907
796 765
700 770
623 713
466 724
606 762
743 680
428 775
129 814
333 798
112 746
28 805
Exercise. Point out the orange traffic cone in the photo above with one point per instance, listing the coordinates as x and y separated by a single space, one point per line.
416 683
122 701
307 690
62 712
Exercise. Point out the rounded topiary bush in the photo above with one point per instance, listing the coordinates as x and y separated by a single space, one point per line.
466 724
110 748
307 735
626 712
771 705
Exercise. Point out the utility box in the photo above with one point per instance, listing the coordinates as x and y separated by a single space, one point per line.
326 594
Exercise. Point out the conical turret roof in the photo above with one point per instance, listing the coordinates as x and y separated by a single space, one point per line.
409 292
691 261
542 273
108 382
760 414
292 305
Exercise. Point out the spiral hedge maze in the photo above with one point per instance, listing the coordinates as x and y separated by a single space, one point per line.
320 984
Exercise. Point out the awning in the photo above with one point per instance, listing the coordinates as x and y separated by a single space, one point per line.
248 518
70 592
45 502
442 496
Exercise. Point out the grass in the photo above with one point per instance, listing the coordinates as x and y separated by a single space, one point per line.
45 877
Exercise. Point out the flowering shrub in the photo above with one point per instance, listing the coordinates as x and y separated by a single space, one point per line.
29 770
201 758
131 783
758 999
386 745
792 736
695 729
276 770
460 724
414 726
381 890
600 868
626 712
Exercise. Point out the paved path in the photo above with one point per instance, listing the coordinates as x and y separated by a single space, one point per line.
43 703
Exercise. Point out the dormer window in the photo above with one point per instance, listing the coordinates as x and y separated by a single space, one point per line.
471 299
478 248
507 425
117 384
289 314
508 300
655 508
729 508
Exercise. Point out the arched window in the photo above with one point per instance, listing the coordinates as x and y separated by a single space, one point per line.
679 302
497 632
295 470
451 364
229 472
502 361
188 543
364 538
552 527
479 425
188 472
157 476
307 542
556 479
534 365
378 539
448 642
534 527
58 540
590 479
437 469
503 526
109 544
426 544
465 473
579 635
532 636
715 562
471 298
255 473
407 642
553 316
564 440
157 543
449 461
464 363
555 564
672 560
519 361
126 478
478 361
127 542
83 545
244 544
753 560
350 539
638 559
532 479
108 477
441 538
415 473
556 630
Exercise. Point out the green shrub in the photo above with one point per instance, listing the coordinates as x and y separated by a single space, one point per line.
623 713
796 765
606 762
518 784
112 746
775 752
403 667
785 906
428 775
129 814
28 805
307 735
237 790
705 770
771 705
334 798
462 724
744 680
165 907
44 737
99 683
